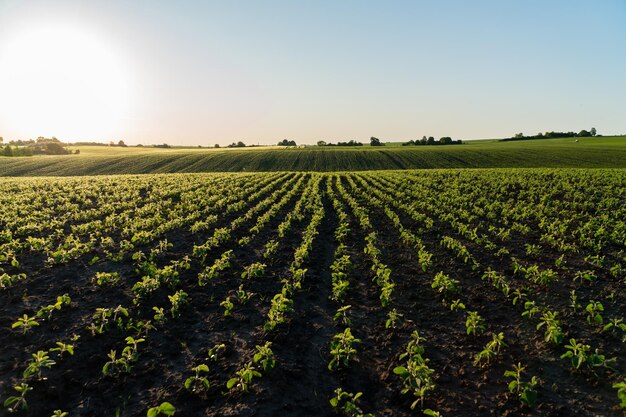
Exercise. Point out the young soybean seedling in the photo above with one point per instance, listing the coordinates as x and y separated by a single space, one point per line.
165 409
216 351
40 361
525 391
342 315
342 349
109 279
417 378
457 305
491 350
621 392
62 348
59 413
594 312
254 270
346 403
228 307
243 378
265 357
178 300
193 383
243 296
577 352
474 324
18 402
392 317
25 323
159 314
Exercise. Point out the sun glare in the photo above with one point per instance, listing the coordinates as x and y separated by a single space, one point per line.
64 82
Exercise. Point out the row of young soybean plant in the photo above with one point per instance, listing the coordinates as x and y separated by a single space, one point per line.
106 318
415 376
262 213
457 210
441 283
106 217
262 360
586 274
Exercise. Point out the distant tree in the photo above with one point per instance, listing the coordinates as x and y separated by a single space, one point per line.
519 136
584 133
321 143
55 149
240 144
8 151
430 141
375 142
217 145
77 152
446 140
592 131
424 140
121 143
287 142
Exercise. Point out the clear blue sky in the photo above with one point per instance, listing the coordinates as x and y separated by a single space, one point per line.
205 72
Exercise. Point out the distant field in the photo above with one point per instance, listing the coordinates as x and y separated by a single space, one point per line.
604 152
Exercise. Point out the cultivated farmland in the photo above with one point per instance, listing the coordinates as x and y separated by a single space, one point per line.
460 292
595 152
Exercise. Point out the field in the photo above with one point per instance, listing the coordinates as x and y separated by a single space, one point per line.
597 152
492 292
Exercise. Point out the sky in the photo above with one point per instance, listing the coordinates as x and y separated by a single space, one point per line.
215 72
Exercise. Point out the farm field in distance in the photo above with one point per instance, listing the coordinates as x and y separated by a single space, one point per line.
487 292
594 152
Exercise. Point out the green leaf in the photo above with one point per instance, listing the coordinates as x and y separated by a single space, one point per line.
153 412
188 382
167 409
10 401
400 370
529 397
202 368
231 383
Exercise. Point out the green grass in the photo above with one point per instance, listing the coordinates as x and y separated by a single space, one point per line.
605 152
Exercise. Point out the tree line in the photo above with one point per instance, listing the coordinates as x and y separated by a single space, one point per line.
550 135
39 146
428 141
